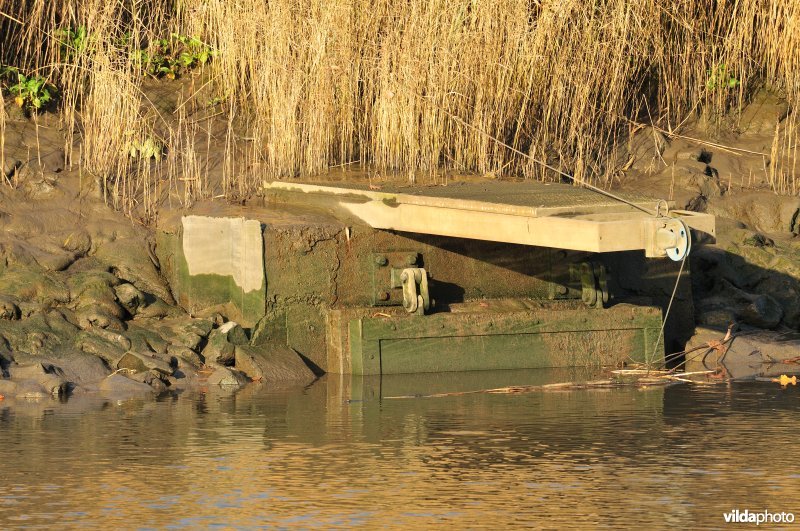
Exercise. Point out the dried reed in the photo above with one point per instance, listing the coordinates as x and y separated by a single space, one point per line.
307 85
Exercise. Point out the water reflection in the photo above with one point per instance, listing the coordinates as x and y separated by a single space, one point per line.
339 453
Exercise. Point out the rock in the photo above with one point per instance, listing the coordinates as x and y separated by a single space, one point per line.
760 310
272 362
158 385
751 352
56 385
33 284
786 291
33 371
94 342
714 312
159 309
114 337
235 333
15 113
53 160
226 377
119 386
50 377
132 261
219 350
145 339
753 276
61 322
152 378
130 297
763 211
5 361
97 317
34 186
732 304
41 334
647 146
52 257
96 298
756 239
8 309
186 354
78 241
184 377
764 112
30 390
10 166
137 362
185 332
698 203
707 185
93 284
79 368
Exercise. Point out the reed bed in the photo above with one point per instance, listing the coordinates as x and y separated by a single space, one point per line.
418 87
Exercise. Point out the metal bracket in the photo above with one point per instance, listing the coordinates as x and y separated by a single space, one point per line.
594 283
386 269
416 298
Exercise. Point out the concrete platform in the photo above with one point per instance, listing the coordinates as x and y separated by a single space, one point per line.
526 213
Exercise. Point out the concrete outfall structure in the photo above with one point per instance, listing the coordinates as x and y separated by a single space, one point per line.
467 277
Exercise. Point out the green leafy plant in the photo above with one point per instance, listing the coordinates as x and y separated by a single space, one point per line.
73 41
31 92
720 78
172 57
149 148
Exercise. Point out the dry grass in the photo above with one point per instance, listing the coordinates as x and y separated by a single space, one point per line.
417 87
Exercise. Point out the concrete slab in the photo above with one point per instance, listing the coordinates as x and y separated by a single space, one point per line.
528 213
225 246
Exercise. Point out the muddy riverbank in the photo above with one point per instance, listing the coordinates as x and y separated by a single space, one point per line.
84 307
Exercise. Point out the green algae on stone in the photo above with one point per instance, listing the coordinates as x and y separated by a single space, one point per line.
33 284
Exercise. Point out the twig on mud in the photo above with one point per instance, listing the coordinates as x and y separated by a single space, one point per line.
730 149
721 346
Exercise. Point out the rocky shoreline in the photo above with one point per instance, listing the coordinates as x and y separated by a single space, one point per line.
84 308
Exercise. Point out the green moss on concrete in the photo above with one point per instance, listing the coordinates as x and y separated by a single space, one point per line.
198 292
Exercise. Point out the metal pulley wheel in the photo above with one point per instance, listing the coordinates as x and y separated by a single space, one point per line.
675 239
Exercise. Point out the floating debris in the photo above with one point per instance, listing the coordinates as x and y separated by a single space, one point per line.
623 378
784 380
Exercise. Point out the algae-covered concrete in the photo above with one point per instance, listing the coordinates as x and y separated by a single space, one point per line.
226 247
216 261
322 272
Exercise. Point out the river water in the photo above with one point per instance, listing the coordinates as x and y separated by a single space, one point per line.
342 453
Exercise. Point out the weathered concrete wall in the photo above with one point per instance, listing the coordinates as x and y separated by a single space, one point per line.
216 261
314 264
227 247
313 269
